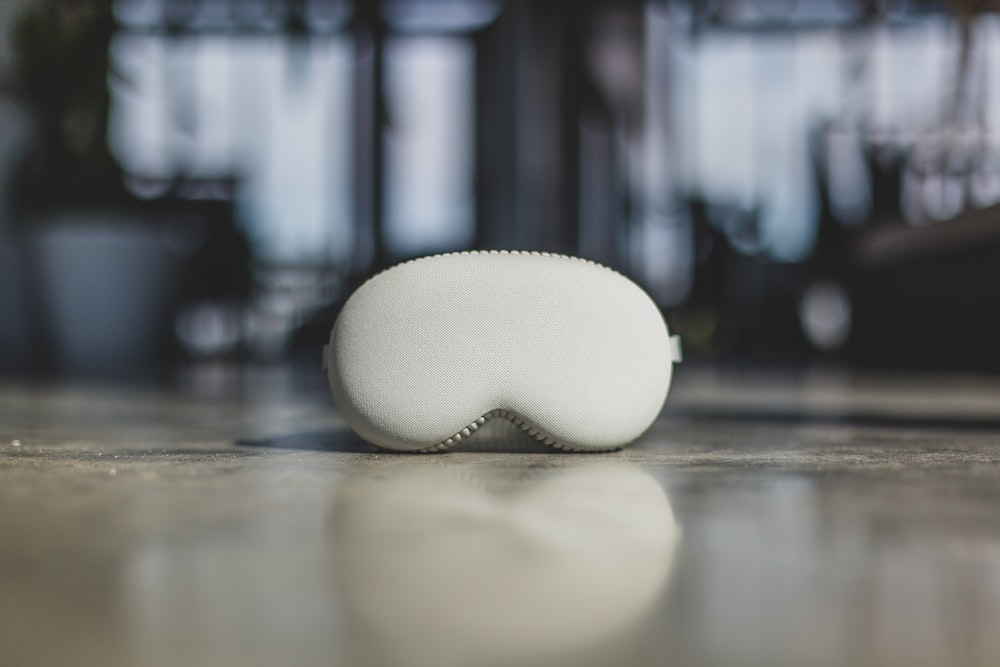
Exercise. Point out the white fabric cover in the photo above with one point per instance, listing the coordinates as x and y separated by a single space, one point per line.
424 352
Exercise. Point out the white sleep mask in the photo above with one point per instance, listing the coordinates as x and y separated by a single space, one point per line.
572 352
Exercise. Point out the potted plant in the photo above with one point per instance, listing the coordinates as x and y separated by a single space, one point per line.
99 274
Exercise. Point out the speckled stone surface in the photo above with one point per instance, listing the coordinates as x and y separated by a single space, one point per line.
799 519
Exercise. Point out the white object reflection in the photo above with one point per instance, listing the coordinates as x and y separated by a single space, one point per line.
446 566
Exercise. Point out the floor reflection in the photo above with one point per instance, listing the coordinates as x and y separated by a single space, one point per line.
818 570
464 565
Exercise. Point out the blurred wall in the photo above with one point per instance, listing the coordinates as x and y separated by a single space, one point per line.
798 184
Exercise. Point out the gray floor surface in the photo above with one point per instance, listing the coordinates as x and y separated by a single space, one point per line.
810 518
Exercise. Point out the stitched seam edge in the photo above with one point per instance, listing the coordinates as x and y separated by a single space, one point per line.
530 429
535 253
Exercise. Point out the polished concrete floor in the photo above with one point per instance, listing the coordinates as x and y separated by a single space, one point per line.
811 519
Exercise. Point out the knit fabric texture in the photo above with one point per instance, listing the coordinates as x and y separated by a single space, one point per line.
573 352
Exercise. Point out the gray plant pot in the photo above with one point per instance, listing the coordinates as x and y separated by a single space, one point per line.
106 283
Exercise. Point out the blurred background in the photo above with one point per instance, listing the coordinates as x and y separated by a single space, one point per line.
795 182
